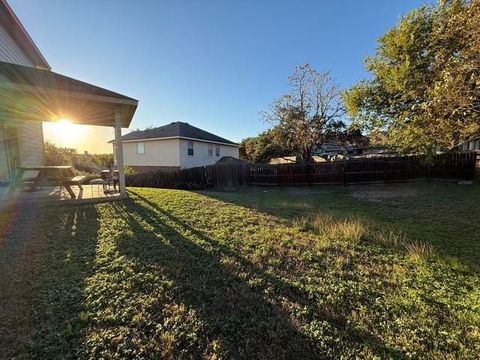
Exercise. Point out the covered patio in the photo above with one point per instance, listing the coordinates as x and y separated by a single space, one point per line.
36 95
56 195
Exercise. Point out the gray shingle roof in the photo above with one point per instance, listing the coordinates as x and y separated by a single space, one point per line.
175 129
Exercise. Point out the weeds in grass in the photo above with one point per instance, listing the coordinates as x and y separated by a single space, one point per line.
331 229
352 231
302 224
418 250
389 238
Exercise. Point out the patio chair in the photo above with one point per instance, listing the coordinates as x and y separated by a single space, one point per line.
107 179
98 182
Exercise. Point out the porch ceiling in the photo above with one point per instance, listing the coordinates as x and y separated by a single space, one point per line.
41 95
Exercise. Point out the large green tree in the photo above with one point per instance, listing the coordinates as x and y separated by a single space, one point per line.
261 148
425 89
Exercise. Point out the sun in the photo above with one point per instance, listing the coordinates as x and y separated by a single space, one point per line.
65 125
66 130
65 133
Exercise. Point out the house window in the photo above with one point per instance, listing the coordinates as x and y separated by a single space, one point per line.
190 148
140 148
217 150
210 150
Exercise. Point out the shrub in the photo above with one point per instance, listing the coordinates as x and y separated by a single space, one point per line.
90 163
128 170
191 179
55 155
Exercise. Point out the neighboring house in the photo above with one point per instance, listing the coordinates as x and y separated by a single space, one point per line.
332 149
470 145
174 146
473 144
283 160
30 93
293 160
329 149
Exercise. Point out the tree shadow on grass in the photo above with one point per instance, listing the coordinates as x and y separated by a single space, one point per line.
241 319
51 253
248 323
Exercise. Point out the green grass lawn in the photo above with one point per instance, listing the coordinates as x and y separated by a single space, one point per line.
259 273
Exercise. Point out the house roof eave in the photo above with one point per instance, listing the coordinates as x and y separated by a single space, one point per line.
21 36
42 95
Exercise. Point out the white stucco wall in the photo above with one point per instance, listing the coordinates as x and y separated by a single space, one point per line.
200 153
157 153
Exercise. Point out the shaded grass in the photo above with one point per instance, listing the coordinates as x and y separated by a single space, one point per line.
179 275
44 261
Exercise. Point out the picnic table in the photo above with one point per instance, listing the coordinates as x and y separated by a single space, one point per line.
61 175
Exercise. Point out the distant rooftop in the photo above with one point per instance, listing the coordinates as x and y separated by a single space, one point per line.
176 130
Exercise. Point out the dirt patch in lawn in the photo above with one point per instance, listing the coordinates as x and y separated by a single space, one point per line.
385 194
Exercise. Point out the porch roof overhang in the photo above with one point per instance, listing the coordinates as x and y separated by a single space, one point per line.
31 94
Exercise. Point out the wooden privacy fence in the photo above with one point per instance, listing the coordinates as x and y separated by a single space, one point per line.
451 166
456 166
221 175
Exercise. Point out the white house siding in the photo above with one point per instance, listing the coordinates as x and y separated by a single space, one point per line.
30 135
200 153
3 157
158 153
10 51
30 142
173 154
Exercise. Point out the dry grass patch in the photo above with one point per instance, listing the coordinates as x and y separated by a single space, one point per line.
350 231
418 250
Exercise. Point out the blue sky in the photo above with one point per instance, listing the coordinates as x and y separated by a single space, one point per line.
213 63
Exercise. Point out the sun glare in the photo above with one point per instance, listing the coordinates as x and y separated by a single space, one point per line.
65 124
64 121
65 129
65 133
